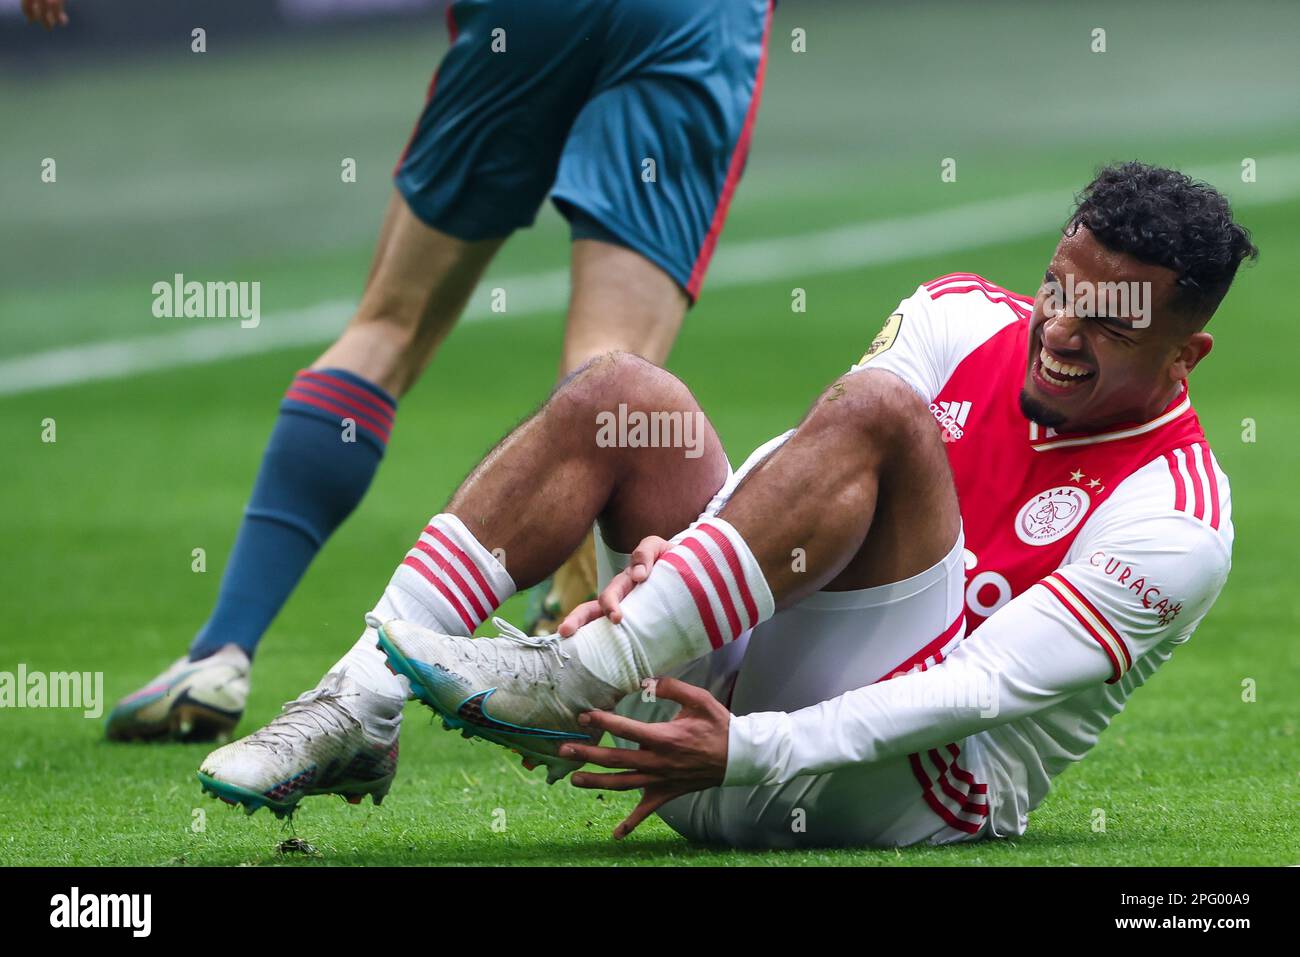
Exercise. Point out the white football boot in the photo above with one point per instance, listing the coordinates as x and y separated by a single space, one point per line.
190 701
338 738
524 693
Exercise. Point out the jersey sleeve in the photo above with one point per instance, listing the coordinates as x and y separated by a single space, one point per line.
1138 577
912 345
1084 624
934 329
1020 661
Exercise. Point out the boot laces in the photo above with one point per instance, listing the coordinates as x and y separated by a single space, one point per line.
319 711
496 656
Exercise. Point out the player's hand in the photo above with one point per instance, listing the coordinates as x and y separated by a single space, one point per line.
688 753
619 587
48 13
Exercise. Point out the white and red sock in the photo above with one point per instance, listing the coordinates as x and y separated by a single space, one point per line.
448 582
703 593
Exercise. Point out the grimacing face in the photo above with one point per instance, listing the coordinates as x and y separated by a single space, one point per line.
1092 368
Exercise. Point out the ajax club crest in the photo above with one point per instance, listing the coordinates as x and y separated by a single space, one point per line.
1051 515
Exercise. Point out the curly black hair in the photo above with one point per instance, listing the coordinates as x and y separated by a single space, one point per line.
1166 218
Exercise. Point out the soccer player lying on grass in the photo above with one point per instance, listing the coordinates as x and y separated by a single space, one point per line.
1025 472
635 116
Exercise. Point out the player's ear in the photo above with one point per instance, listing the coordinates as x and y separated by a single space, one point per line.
1196 348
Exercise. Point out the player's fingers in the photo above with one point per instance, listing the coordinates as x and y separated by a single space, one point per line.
648 805
684 693
588 611
630 758
644 555
619 587
528 763
621 781
639 731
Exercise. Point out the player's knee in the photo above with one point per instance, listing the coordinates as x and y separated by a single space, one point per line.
606 381
873 407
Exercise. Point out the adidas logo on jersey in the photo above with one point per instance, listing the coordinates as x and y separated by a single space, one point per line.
951 416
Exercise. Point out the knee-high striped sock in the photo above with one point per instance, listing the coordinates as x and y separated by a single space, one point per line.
701 594
323 452
448 581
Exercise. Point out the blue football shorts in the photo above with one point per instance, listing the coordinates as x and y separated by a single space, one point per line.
634 115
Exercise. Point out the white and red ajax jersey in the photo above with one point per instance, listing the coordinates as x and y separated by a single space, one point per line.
1089 557
1033 500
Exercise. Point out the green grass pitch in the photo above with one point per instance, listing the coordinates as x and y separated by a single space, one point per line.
160 172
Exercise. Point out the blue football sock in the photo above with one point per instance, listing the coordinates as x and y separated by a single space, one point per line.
329 438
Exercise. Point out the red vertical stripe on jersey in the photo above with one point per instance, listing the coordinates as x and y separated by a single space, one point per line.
412 562
719 583
1180 483
1192 458
733 562
734 168
1213 481
701 597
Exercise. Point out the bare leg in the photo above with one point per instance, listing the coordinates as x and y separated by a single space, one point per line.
859 496
536 494
621 302
419 282
867 458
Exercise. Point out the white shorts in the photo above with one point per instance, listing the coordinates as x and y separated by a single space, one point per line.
830 643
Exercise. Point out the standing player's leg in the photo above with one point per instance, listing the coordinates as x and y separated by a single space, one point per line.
646 179
419 282
621 302
478 166
657 151
512 521
323 452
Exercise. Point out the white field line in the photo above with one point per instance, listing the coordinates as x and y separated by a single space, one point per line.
797 257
